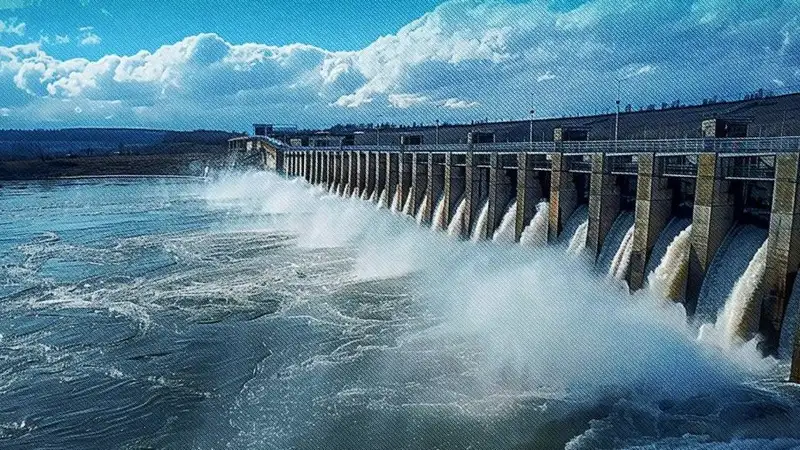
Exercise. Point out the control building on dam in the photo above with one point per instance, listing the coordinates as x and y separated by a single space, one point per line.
738 164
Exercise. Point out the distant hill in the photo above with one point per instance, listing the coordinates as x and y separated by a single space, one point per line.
42 144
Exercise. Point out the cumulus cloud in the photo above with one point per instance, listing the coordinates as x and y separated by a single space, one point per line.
467 57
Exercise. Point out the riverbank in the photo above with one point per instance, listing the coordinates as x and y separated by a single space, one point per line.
187 164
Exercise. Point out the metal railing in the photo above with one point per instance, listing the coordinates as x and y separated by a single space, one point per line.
677 146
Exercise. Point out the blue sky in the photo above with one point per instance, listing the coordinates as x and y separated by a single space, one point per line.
226 64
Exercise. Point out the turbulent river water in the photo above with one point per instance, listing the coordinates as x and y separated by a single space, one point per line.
256 312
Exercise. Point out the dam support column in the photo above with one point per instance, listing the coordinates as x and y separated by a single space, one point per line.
563 195
419 181
453 188
326 169
653 211
712 217
500 193
435 185
529 191
344 176
361 174
604 204
337 171
369 182
309 166
380 178
405 164
783 254
392 176
472 191
352 173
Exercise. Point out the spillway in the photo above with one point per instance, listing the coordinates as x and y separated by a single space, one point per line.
674 227
614 240
622 258
383 202
535 234
395 208
576 220
730 262
438 222
426 198
481 223
578 242
456 225
668 279
505 231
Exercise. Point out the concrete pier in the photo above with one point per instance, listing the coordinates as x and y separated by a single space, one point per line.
502 187
711 220
435 185
405 172
529 191
352 179
392 176
563 195
653 211
604 204
345 175
369 175
783 252
472 193
419 180
361 173
453 189
380 176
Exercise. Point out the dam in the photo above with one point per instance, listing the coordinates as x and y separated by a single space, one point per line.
625 205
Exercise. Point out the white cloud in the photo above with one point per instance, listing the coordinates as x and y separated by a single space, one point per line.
406 100
61 39
455 103
486 58
546 77
12 27
90 38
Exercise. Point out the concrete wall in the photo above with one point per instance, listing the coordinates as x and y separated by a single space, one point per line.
454 180
529 191
711 220
419 180
653 211
435 184
604 204
563 195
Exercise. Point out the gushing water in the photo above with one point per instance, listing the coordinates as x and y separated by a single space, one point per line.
395 208
407 206
355 193
374 197
456 226
668 280
578 242
364 195
343 189
740 316
505 232
619 264
422 208
535 234
438 223
383 202
482 223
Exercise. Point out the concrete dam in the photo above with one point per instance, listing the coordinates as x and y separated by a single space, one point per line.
710 222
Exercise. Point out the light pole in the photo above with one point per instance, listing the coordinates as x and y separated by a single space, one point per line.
616 121
437 132
533 111
378 132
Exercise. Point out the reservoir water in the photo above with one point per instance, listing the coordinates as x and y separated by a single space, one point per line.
250 311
